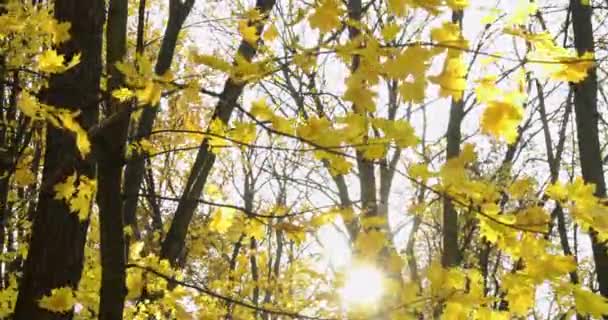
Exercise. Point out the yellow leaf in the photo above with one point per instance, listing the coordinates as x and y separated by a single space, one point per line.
457 4
29 105
486 89
589 303
135 283
326 16
248 32
390 31
60 300
123 94
211 61
451 80
271 33
222 220
261 110
23 174
370 243
501 118
413 92
150 94
256 229
65 190
397 7
50 61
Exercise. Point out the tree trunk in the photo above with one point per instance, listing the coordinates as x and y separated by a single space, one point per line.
55 257
585 109
110 147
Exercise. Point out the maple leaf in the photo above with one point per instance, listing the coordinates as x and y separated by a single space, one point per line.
501 118
150 94
65 190
248 32
222 220
451 80
326 16
370 243
397 7
589 303
29 105
135 283
389 32
413 92
457 4
23 174
271 33
50 61
60 300
123 94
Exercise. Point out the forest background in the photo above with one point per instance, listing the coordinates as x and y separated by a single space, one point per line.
326 159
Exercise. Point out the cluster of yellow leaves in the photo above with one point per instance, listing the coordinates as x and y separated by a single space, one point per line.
60 118
221 220
400 7
60 300
140 147
51 62
77 192
141 76
590 212
326 16
241 70
452 79
555 61
27 28
502 117
8 297
504 110
23 172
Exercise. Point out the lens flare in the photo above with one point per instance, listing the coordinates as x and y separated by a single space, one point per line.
362 286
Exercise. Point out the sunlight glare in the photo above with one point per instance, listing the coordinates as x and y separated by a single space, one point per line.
362 286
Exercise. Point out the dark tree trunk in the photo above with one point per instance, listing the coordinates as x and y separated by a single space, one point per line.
585 108
110 147
55 257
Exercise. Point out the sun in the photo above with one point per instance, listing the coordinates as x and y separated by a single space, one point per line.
362 286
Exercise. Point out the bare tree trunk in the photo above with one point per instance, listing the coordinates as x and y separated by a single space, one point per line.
585 108
174 242
55 256
110 147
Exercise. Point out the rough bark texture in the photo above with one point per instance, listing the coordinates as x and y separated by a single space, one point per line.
55 257
585 108
175 240
109 147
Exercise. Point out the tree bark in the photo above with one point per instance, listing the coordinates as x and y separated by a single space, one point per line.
110 148
585 109
55 257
